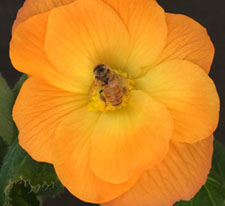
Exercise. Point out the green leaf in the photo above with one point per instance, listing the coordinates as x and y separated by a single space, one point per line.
23 196
18 166
19 84
218 163
52 190
213 192
3 150
7 126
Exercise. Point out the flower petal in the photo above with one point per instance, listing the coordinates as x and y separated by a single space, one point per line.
37 112
146 23
84 39
187 40
189 94
127 140
34 7
71 162
178 177
28 56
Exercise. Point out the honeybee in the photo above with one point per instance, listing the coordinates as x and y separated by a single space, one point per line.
112 85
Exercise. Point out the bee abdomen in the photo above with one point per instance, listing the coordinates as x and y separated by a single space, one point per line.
113 94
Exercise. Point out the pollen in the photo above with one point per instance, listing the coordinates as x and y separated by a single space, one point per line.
100 99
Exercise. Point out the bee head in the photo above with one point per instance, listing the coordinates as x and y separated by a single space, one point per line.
101 72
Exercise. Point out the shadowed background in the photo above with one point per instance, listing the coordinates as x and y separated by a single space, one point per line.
210 13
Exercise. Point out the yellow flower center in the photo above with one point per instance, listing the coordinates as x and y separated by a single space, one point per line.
111 95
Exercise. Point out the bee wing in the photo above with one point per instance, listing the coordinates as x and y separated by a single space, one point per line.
96 84
122 81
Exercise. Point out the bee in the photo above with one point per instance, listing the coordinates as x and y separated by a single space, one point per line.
112 85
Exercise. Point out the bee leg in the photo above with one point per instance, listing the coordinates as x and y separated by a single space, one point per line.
124 90
102 97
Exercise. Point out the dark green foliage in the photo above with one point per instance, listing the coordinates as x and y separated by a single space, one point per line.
17 167
7 126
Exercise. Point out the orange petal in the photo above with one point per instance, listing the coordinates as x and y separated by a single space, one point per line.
127 140
34 7
28 56
178 177
189 94
187 40
87 40
37 112
78 150
146 23
71 160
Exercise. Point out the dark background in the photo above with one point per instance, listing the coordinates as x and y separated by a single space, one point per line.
210 13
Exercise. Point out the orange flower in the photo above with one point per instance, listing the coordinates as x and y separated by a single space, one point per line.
154 148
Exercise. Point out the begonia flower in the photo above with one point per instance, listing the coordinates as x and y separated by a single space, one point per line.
154 148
